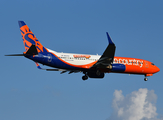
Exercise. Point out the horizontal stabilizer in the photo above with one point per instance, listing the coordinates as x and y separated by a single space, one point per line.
15 55
31 51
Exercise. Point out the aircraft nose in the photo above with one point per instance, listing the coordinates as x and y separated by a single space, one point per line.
157 69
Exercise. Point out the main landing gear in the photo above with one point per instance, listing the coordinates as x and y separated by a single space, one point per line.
85 77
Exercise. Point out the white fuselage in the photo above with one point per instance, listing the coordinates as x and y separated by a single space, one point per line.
76 59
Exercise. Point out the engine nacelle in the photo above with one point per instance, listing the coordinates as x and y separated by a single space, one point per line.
95 75
118 68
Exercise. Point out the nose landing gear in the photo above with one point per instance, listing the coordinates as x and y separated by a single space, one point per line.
145 79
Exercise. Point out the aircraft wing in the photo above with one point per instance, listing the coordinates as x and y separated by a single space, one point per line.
108 56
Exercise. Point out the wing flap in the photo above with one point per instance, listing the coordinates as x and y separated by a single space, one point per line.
62 70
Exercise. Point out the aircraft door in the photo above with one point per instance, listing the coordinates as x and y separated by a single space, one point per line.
49 58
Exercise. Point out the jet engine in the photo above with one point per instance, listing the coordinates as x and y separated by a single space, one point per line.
118 67
95 75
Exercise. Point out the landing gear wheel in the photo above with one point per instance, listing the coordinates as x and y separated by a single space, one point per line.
145 79
85 77
98 73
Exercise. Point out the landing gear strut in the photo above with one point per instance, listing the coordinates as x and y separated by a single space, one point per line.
85 77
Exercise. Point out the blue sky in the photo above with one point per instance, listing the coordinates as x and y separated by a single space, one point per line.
79 27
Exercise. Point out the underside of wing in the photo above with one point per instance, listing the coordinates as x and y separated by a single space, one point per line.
107 58
57 69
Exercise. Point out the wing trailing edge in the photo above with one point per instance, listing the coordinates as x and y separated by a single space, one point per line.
57 69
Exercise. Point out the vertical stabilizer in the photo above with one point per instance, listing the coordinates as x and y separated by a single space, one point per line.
29 38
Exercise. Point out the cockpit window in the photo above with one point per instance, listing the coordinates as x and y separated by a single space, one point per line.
152 64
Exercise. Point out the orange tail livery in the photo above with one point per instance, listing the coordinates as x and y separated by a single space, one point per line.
29 38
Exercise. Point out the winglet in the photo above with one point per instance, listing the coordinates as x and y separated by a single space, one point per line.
21 23
109 39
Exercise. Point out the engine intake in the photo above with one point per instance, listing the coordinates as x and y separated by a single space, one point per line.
118 68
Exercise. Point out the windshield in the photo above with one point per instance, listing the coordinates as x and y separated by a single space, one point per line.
152 64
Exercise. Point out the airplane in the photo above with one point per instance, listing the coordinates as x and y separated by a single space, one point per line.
92 66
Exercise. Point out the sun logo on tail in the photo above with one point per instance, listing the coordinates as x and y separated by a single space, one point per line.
30 39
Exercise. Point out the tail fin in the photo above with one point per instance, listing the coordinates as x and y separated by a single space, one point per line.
29 38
